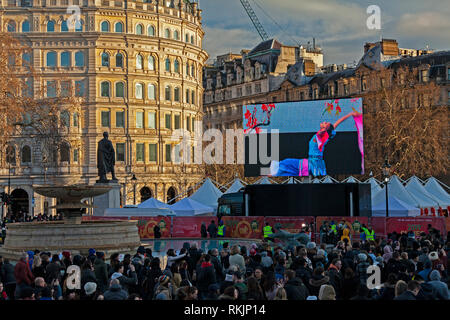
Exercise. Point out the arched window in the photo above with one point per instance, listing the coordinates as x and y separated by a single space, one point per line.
104 88
26 59
187 95
139 29
151 63
176 94
120 89
187 38
139 90
146 194
187 69
192 39
151 31
119 60
11 26
79 59
193 97
26 26
11 155
51 26
64 26
168 93
176 66
25 154
104 26
192 71
118 27
65 118
64 152
65 59
171 194
176 35
139 61
105 59
151 92
51 59
75 119
168 65
167 33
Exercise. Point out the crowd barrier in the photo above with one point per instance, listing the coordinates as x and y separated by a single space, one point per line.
251 227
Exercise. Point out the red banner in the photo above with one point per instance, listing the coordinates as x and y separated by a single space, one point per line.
94 218
418 225
145 226
379 226
189 227
354 224
243 227
447 225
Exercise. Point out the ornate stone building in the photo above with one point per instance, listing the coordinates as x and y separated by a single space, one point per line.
137 68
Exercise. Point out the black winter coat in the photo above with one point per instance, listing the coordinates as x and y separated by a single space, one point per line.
296 290
7 272
205 277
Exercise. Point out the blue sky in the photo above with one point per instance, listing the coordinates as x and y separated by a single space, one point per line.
339 26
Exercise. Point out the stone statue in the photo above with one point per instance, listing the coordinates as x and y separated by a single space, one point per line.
105 158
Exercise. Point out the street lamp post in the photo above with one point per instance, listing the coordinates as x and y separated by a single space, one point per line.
134 180
386 173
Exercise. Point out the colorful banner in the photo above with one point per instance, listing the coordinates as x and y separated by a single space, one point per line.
354 223
418 225
189 227
243 227
378 225
145 226
289 224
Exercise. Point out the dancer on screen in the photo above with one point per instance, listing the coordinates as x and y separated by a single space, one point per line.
314 165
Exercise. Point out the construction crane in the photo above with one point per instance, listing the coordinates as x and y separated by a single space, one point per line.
248 8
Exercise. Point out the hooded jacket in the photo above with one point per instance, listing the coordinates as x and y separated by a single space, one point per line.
387 253
316 282
7 273
125 281
101 273
441 287
23 274
115 292
296 290
205 277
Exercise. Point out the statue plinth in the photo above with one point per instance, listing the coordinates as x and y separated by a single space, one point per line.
110 199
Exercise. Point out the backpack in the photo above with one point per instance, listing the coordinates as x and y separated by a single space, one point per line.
428 291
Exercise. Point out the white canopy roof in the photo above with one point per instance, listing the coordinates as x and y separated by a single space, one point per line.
397 190
207 194
189 207
351 179
425 199
263 180
316 180
291 180
397 207
435 189
375 186
328 179
153 203
236 186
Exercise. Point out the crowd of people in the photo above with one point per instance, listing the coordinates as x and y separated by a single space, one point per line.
411 268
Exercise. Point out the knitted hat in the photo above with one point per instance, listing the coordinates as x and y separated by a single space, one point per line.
362 257
311 245
433 256
90 288
91 252
163 280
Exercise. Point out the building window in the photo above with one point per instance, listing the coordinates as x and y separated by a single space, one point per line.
139 29
176 94
167 33
187 38
105 59
424 75
448 74
79 25
192 71
79 59
139 119
26 26
105 119
151 63
151 31
75 119
65 88
168 65
11 26
65 59
363 84
152 120
168 153
192 39
104 86
138 91
64 152
168 93
120 89
187 69
51 59
120 151
248 90
11 155
65 118
51 26
239 92
75 155
448 100
51 89
26 154
176 35
187 95
79 88
119 60
188 123
193 124
139 152
168 121
151 92
26 59
176 66
177 121
152 152
139 61
120 119
193 97
118 27
104 26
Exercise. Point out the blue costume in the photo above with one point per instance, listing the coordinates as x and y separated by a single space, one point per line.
314 165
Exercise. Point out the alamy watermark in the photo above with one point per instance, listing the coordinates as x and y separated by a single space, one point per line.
374 20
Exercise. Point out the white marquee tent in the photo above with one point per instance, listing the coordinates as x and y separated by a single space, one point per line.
207 194
235 186
396 189
397 207
153 203
189 207
416 189
264 180
435 189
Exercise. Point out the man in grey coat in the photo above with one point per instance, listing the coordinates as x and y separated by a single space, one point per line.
440 286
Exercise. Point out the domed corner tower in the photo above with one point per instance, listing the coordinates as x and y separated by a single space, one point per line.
136 67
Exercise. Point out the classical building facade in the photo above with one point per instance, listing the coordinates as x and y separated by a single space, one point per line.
136 67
